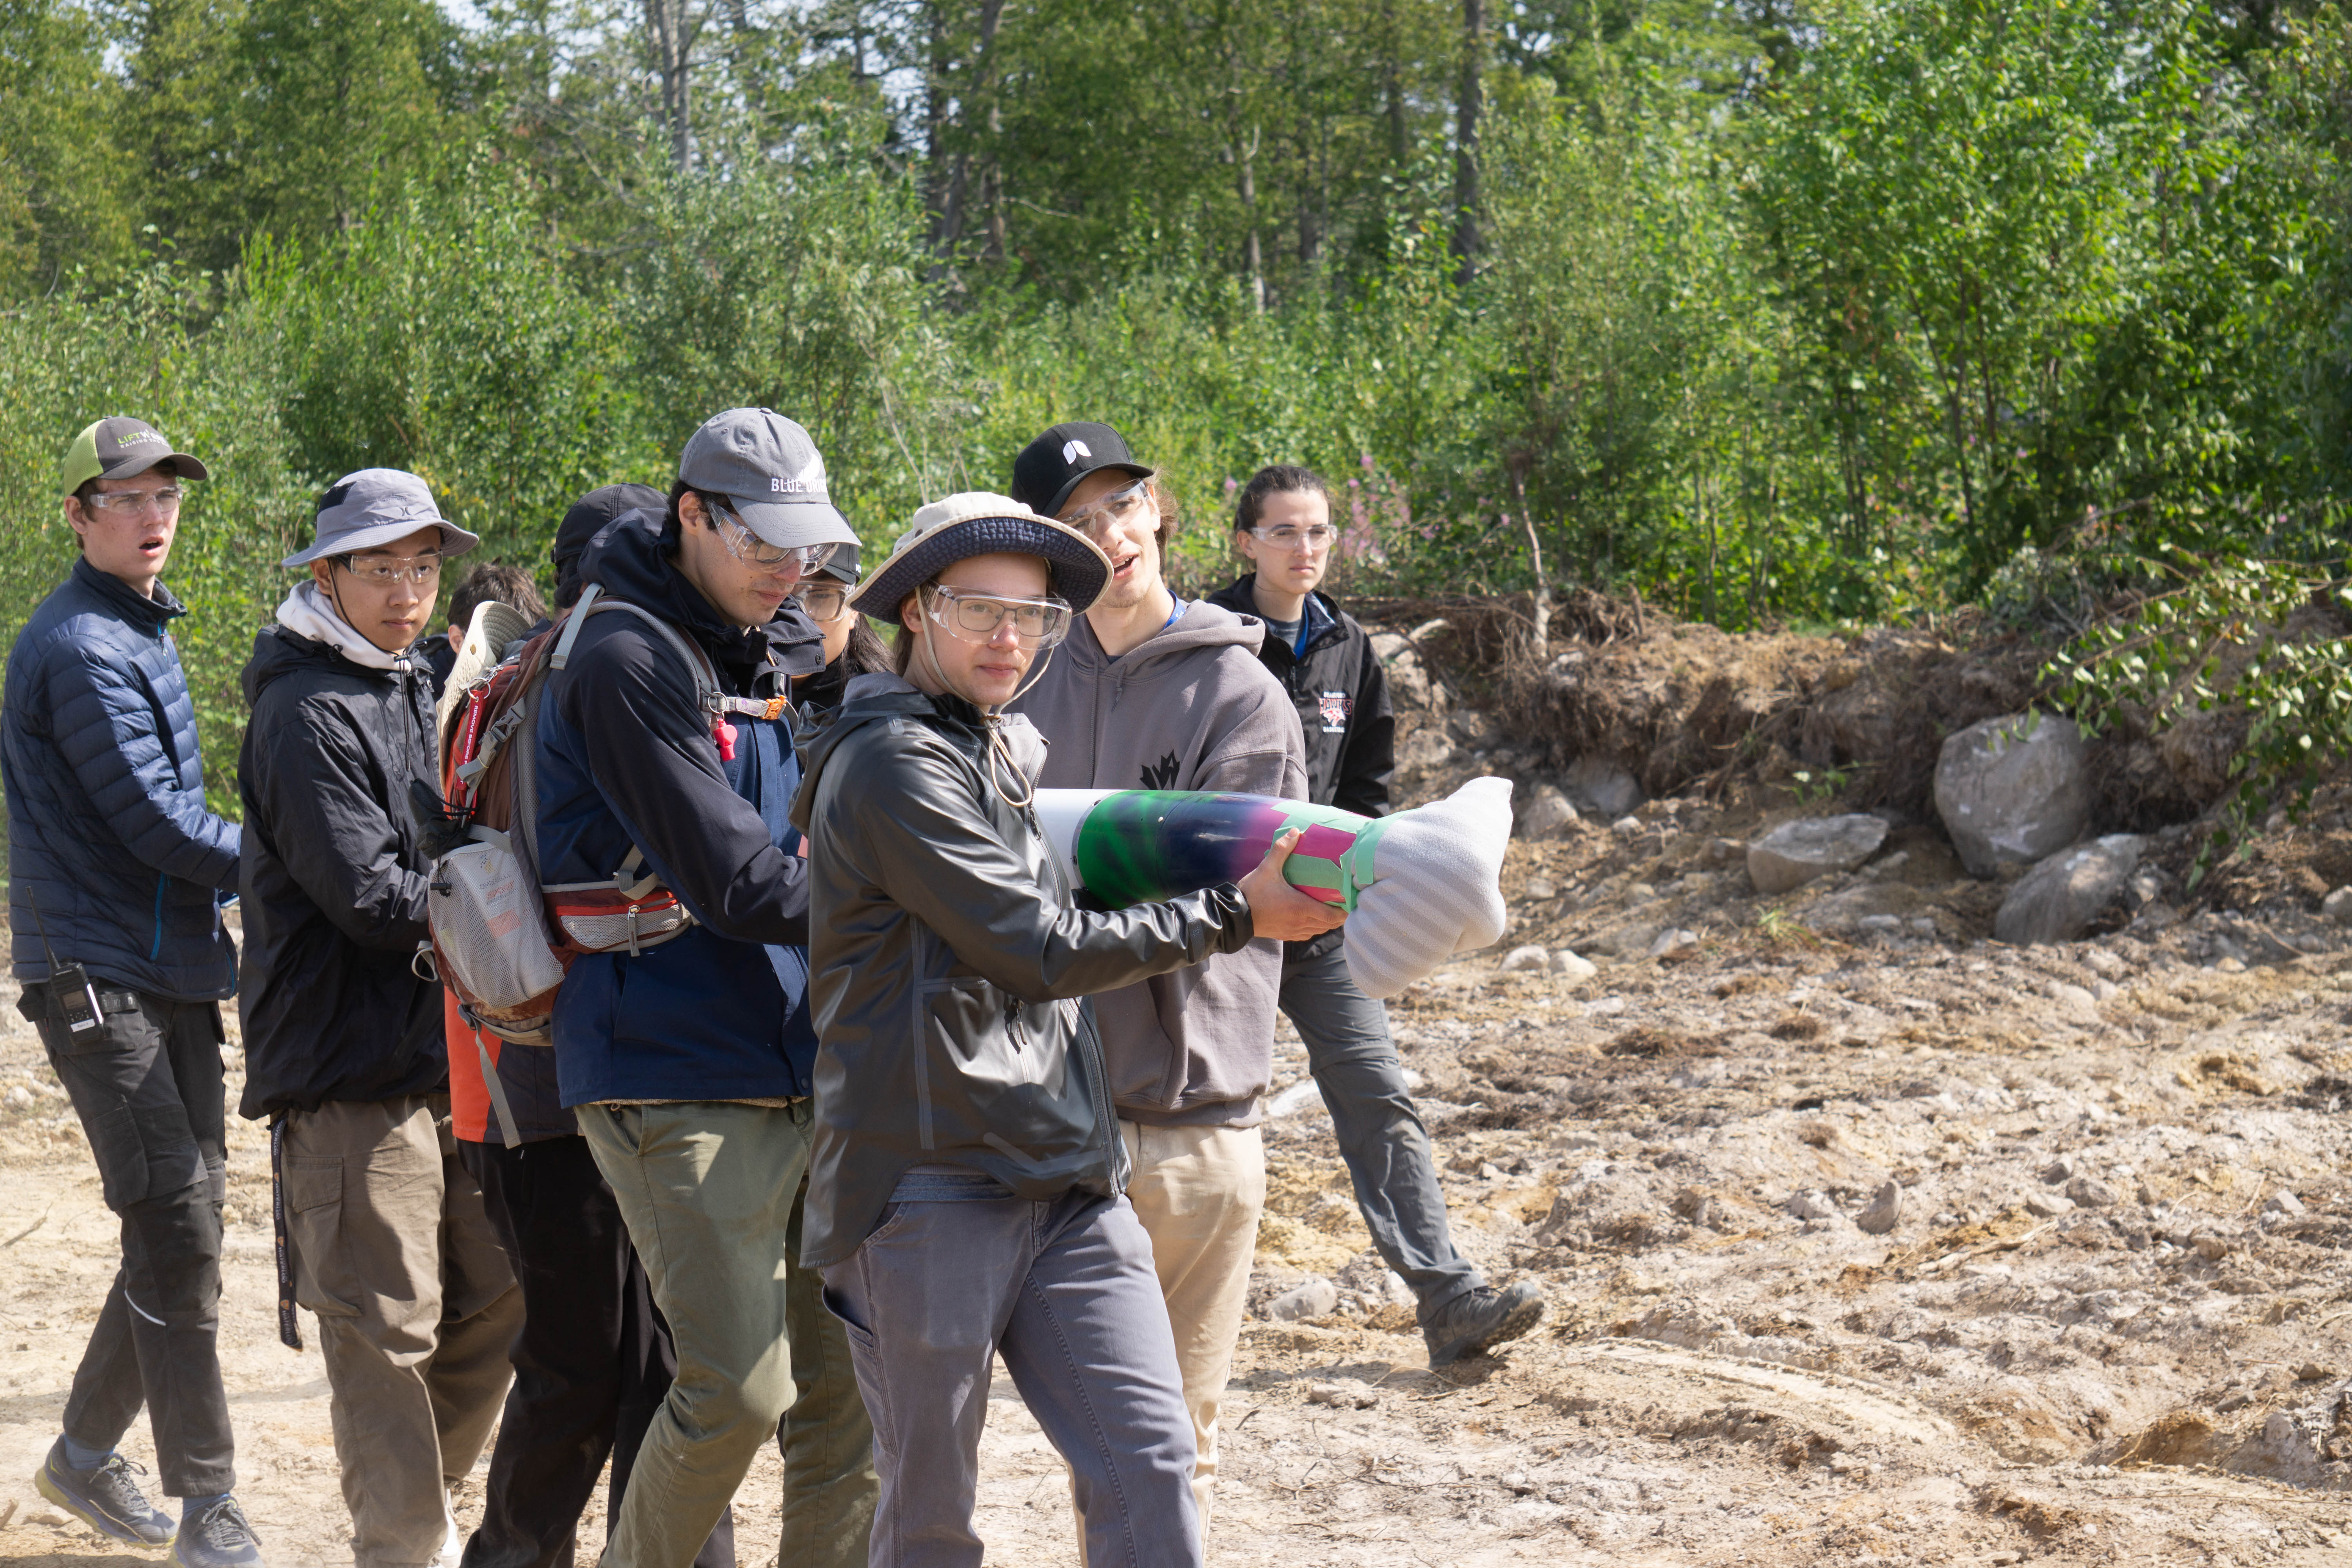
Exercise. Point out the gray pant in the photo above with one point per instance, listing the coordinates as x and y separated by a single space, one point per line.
1066 1292
1380 1134
147 1087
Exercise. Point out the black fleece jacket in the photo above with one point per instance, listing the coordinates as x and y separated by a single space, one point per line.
1342 697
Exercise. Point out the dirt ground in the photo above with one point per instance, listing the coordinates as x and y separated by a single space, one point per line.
2112 1322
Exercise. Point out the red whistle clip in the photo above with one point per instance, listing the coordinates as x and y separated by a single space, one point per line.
724 733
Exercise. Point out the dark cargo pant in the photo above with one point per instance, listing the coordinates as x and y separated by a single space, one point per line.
147 1087
1380 1131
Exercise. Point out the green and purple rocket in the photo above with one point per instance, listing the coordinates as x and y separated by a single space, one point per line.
1419 886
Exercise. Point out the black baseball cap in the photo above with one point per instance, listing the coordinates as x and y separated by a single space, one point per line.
121 448
587 517
843 564
1050 467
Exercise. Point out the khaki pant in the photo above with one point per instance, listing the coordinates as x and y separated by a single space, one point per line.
417 1307
1199 1191
712 1193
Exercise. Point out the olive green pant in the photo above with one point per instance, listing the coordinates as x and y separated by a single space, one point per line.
712 1193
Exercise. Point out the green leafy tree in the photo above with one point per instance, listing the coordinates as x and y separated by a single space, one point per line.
65 201
1996 219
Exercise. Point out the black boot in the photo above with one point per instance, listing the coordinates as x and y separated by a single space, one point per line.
1479 1320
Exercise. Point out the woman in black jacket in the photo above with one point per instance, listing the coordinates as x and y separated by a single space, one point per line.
965 1191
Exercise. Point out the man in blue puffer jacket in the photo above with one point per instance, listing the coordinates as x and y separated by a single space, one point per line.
117 873
689 1061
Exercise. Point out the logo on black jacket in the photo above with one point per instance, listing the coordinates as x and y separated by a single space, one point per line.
1161 774
1335 707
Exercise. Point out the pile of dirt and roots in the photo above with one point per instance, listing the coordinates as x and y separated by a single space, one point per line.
1624 708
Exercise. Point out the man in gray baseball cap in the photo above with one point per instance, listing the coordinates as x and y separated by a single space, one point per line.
764 470
689 1063
116 872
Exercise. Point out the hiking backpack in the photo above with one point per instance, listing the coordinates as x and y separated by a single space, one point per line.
502 941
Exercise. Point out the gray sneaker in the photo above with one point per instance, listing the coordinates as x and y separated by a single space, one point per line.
218 1537
1477 1321
107 1498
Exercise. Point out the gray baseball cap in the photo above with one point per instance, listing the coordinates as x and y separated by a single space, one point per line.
770 473
373 508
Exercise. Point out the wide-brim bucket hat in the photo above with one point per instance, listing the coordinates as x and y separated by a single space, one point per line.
372 508
978 524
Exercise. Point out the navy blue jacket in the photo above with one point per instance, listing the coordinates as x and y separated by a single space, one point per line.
107 824
626 756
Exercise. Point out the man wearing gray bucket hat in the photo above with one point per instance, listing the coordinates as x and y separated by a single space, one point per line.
118 870
967 1202
665 758
385 1231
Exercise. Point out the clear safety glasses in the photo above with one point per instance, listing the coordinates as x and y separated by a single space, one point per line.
1115 510
383 571
975 617
823 598
749 547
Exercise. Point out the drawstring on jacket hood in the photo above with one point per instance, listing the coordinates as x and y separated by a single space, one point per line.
992 718
309 612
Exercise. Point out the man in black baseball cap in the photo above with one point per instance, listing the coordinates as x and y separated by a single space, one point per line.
117 872
1050 466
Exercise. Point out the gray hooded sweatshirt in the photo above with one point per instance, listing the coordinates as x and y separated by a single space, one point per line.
1190 708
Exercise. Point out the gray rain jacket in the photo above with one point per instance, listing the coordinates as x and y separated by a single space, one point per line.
1192 708
946 965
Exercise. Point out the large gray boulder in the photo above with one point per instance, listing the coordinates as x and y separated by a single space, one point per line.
1794 853
2059 898
2013 791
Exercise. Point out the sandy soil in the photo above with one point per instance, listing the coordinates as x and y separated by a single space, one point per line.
2112 1322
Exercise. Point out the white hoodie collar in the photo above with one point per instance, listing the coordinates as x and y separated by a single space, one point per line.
308 612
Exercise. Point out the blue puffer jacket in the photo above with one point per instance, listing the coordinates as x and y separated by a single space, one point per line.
625 757
107 824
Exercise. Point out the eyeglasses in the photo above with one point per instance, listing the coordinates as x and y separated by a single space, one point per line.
131 503
1316 536
749 547
1116 510
383 571
823 601
972 617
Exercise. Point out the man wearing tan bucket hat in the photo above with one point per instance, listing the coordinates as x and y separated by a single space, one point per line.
966 1199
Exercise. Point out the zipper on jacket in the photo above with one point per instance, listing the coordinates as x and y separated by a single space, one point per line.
1091 1052
155 953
